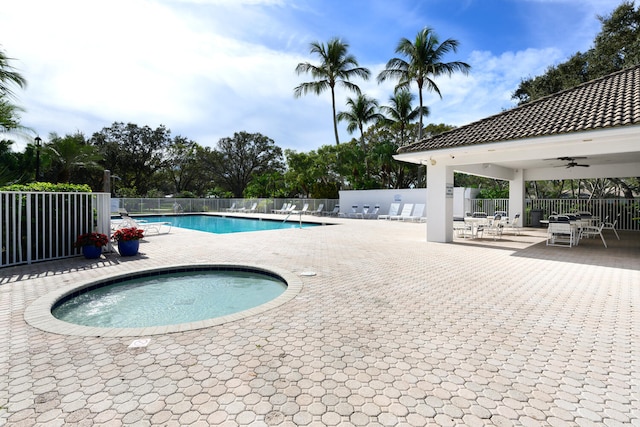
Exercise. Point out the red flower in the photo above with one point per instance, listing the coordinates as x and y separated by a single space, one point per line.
92 239
126 234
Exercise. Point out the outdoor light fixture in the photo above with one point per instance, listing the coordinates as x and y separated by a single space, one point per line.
38 142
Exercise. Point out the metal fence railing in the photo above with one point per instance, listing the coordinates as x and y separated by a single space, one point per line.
40 226
176 206
626 211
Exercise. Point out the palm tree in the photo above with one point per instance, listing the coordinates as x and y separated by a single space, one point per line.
336 67
363 110
423 63
70 154
9 118
401 112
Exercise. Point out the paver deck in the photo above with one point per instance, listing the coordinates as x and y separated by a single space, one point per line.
392 330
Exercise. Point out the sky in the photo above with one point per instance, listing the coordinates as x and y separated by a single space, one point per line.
206 69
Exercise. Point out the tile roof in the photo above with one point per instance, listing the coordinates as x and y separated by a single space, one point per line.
607 102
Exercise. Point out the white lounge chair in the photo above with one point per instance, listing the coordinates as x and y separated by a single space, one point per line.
351 214
405 213
335 211
283 209
232 208
365 210
317 211
372 213
418 212
304 209
160 227
252 209
393 211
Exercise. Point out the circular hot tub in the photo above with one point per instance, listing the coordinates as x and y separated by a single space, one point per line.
165 300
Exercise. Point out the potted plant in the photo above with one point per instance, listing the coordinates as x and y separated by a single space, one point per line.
128 240
91 244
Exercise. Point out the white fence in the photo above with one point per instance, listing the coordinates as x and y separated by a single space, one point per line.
39 226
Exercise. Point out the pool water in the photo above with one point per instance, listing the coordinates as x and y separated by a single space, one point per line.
170 298
223 225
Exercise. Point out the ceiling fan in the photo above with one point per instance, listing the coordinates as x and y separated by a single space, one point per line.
571 162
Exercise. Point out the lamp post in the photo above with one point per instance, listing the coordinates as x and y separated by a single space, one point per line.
38 141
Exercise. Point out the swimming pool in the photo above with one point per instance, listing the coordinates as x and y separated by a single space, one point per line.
223 225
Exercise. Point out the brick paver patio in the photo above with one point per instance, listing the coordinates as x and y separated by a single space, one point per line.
391 330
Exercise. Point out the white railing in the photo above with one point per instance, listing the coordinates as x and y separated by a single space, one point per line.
625 210
170 206
40 226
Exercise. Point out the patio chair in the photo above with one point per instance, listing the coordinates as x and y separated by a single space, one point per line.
611 225
592 231
462 228
232 208
365 210
283 209
304 209
495 228
393 211
161 227
317 211
405 213
372 213
351 213
335 211
514 225
418 212
252 209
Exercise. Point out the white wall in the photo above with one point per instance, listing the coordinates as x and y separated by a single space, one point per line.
405 195
384 198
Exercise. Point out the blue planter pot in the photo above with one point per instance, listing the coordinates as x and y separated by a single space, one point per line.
128 247
91 252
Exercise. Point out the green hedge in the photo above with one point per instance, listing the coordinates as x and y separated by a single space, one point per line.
49 187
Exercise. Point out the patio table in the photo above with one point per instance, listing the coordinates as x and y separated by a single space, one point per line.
476 224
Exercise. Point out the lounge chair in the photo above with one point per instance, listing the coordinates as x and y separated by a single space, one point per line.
372 213
161 227
351 214
283 209
405 213
317 211
393 211
335 211
418 212
304 209
365 210
232 208
252 209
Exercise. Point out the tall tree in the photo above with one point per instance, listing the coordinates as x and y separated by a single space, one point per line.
133 153
615 47
243 157
423 63
401 112
336 67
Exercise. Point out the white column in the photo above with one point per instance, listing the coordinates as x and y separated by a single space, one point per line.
439 203
516 195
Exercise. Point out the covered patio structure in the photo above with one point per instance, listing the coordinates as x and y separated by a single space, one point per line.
590 131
